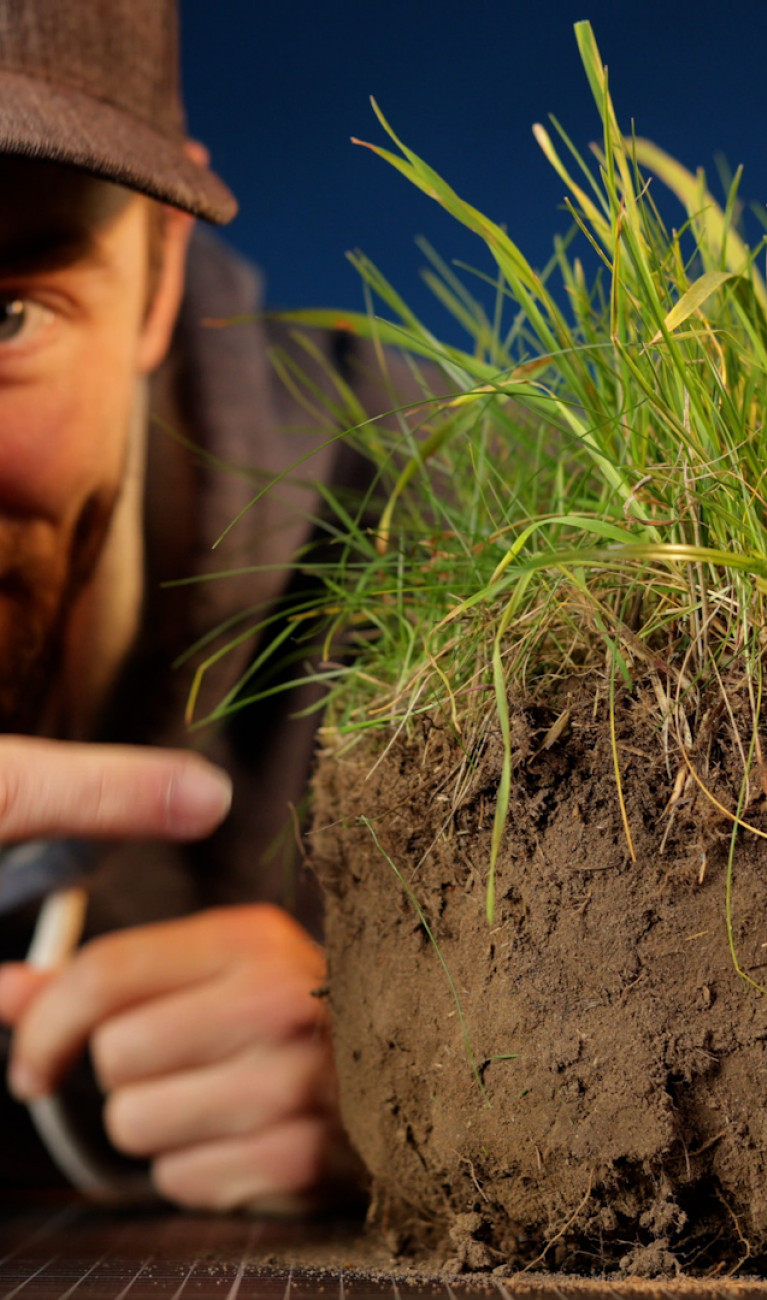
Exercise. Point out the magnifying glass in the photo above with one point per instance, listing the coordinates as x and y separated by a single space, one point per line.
57 872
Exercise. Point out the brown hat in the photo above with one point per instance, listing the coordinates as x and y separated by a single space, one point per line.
95 83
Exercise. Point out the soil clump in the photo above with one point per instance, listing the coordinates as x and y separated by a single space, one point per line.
614 1121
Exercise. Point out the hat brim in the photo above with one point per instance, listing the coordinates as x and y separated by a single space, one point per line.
52 124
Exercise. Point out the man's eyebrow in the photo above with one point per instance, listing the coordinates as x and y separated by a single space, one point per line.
48 250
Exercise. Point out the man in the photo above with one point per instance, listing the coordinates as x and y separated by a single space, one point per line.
207 1043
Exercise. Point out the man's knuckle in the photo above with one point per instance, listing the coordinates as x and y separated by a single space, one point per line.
91 980
299 1091
124 1126
175 1180
303 1157
169 1183
107 1057
296 1096
285 936
299 1011
267 1012
247 926
267 923
90 971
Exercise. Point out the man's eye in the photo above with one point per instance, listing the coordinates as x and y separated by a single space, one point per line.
21 319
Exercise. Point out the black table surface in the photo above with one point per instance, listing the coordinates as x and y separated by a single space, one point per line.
57 1251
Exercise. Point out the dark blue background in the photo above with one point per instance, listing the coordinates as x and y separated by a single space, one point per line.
277 89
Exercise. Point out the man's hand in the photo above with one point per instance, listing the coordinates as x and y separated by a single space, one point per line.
50 787
209 1045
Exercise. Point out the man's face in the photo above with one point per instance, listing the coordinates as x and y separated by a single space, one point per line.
73 305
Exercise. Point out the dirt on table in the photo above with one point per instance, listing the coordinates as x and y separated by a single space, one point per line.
579 1084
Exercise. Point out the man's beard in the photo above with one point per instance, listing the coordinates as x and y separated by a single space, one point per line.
41 576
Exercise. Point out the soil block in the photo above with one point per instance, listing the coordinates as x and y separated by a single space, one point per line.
577 1085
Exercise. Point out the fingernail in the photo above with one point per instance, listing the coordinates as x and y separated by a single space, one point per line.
199 798
23 1083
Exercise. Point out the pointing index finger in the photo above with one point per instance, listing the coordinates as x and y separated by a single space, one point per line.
60 788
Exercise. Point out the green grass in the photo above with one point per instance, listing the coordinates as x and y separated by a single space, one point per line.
580 487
